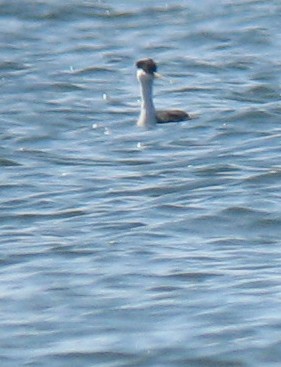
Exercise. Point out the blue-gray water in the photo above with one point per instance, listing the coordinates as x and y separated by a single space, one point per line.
125 247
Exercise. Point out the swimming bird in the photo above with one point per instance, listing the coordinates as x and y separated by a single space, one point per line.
146 73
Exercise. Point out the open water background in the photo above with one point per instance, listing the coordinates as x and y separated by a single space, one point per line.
128 247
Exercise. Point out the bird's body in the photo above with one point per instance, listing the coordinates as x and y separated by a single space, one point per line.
163 117
147 71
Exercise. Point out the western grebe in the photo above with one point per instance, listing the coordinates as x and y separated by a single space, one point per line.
146 72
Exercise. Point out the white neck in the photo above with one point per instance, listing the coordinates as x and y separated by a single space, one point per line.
147 114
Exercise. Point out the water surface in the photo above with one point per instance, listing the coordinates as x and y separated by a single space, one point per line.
128 247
